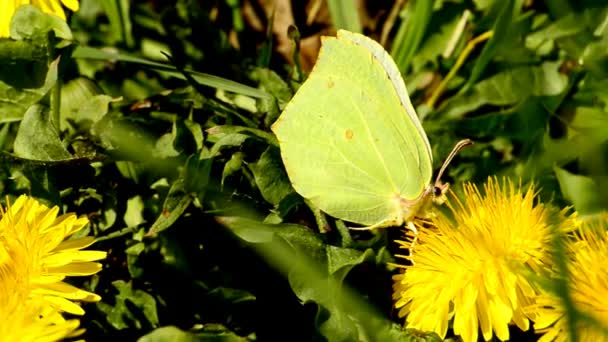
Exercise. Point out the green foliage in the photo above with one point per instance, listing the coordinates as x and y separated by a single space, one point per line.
174 163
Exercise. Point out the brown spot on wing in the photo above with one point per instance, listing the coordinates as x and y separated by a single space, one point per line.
329 84
348 134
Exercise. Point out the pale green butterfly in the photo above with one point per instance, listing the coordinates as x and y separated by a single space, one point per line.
352 142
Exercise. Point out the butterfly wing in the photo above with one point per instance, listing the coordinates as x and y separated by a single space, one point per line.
350 139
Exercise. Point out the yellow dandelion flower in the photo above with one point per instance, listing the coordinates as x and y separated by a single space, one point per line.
23 316
37 229
54 7
588 287
473 269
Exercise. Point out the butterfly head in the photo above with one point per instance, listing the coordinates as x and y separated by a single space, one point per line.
439 192
440 189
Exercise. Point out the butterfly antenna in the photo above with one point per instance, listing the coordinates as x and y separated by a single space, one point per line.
459 146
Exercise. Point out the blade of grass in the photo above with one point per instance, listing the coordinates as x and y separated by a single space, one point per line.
345 15
117 12
457 34
411 31
500 32
390 21
86 52
459 62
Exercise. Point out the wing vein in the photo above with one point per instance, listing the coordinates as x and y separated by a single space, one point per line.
373 143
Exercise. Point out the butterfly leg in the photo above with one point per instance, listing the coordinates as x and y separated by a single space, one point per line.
410 225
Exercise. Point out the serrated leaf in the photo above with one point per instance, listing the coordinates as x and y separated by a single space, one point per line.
82 101
14 101
29 22
339 257
526 122
509 87
580 190
273 84
270 176
228 140
134 213
131 306
14 51
232 165
38 138
168 334
307 272
278 88
177 201
196 131
249 230
227 129
164 147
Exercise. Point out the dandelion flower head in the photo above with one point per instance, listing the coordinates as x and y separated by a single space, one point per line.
35 232
54 7
474 267
588 288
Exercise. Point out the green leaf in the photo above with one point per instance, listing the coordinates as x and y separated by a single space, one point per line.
14 101
590 124
271 82
580 190
130 308
134 213
561 28
249 230
184 141
82 101
164 147
38 138
228 129
177 201
225 140
29 22
301 255
214 332
211 332
196 132
526 122
338 257
232 165
275 86
168 334
136 270
270 176
15 51
507 88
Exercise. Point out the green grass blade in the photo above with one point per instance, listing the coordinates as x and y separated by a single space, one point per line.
500 33
345 15
86 52
410 33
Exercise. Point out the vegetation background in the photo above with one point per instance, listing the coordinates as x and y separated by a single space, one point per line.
152 118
